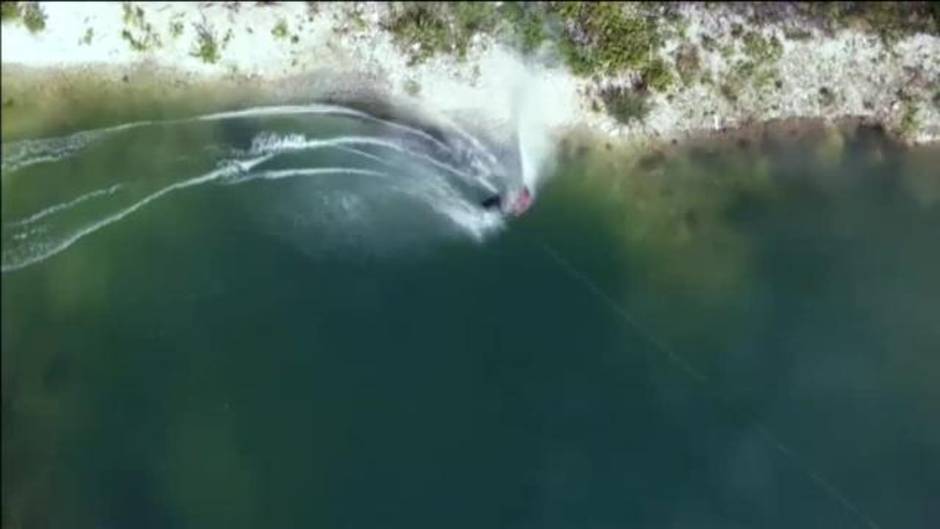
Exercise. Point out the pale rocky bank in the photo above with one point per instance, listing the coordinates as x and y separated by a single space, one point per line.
634 71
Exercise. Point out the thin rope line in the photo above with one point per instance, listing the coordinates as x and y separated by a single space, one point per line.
686 367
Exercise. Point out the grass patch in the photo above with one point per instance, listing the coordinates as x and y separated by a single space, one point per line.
625 104
208 48
757 68
657 75
86 38
526 24
30 14
280 30
760 49
176 27
425 29
420 29
34 18
9 11
138 33
608 37
594 38
909 121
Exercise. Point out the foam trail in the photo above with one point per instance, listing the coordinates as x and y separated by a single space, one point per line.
23 153
17 154
364 154
292 173
53 247
443 199
300 142
65 205
317 108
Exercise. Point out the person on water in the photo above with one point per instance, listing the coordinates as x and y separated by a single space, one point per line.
519 206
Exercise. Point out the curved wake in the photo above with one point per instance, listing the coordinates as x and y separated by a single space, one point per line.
408 159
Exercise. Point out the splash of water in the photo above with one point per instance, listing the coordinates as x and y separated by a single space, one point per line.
535 105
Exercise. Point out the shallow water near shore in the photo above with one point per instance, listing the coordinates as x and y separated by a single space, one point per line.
198 334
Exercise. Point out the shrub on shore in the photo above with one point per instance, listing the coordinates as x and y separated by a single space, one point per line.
30 14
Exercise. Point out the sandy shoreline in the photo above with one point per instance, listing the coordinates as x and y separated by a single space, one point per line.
341 50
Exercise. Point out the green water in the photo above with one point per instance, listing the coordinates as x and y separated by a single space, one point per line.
720 337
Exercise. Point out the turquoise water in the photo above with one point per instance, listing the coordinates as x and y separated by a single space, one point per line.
721 336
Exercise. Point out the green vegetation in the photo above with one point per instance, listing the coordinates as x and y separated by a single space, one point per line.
657 75
593 38
625 104
86 38
757 68
420 29
138 33
425 29
760 49
207 46
608 37
9 11
355 16
527 24
909 121
176 27
280 30
30 14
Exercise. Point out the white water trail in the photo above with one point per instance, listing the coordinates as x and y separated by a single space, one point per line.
42 251
13 260
317 108
316 171
65 205
270 143
24 153
443 199
364 154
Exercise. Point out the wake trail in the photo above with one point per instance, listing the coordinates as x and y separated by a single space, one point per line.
364 154
824 484
319 109
292 173
299 142
50 249
24 153
37 252
65 205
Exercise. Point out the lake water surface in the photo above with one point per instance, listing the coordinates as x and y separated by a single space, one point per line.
249 321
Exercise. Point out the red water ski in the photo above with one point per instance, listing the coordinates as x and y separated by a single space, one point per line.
522 203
